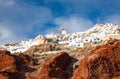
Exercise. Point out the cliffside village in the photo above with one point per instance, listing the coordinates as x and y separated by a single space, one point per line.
96 35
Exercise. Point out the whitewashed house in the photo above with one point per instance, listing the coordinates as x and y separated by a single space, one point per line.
75 42
96 40
87 40
63 30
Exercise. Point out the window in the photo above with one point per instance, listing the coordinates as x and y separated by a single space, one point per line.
78 44
70 38
98 39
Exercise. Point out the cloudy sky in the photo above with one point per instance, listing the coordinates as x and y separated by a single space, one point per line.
24 19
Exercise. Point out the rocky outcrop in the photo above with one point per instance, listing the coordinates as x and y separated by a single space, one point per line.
7 62
40 40
102 63
2 52
27 59
56 67
14 66
46 48
11 75
42 48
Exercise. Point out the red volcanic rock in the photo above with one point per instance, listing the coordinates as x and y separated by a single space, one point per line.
102 63
13 66
27 59
23 63
4 52
11 75
55 68
7 62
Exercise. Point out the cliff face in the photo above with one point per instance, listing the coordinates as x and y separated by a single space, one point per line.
102 63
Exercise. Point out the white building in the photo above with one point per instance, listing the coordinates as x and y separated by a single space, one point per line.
64 31
75 42
87 40
25 45
51 36
81 42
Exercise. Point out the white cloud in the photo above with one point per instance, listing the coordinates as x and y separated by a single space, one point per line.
74 23
115 19
53 30
20 19
7 2
7 35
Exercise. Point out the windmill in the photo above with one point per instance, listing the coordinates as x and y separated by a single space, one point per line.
63 30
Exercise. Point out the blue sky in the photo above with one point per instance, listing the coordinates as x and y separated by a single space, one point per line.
27 18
